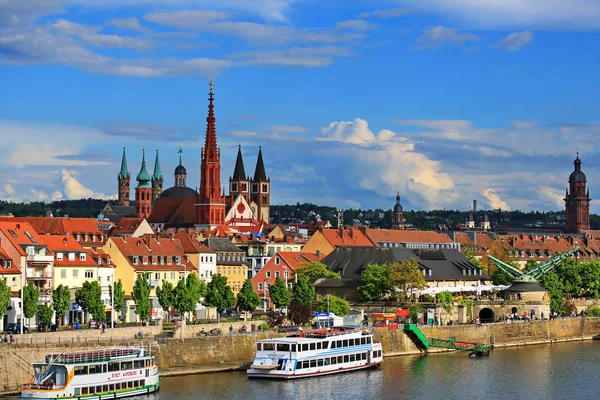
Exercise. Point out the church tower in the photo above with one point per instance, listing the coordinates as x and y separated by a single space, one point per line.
398 215
260 190
577 201
210 209
157 180
124 180
143 191
239 183
180 173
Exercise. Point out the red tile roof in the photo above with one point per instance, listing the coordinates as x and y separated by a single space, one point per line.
147 246
13 269
406 236
65 245
174 211
20 233
346 237
86 228
296 260
190 245
127 226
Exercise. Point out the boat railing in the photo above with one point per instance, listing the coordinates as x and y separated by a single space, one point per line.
93 356
43 386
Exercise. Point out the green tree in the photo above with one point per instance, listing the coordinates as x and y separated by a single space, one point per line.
589 271
5 295
166 295
473 259
445 299
302 292
406 277
529 265
219 294
375 282
334 304
61 300
247 299
119 301
315 271
141 296
279 293
499 277
569 273
31 296
45 313
551 282
89 298
187 294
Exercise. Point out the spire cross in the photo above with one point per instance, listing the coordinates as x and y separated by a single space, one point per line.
143 153
211 87
180 153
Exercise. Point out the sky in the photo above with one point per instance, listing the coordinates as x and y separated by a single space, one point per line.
445 101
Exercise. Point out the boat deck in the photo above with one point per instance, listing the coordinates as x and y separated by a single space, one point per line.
102 355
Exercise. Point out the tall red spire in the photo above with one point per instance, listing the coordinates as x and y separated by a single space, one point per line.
210 210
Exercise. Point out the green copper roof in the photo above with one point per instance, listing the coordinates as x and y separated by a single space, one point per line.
124 174
143 177
157 176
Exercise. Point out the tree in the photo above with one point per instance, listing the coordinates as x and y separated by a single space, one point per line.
5 295
280 294
187 294
589 272
141 296
302 292
119 300
476 261
299 313
445 299
499 277
554 286
315 271
166 295
219 294
61 300
45 313
89 298
406 277
247 299
375 282
31 296
529 265
334 304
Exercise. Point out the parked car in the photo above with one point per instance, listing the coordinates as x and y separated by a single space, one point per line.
287 329
15 328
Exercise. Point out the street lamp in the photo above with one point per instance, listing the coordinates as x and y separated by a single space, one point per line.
264 295
112 300
23 277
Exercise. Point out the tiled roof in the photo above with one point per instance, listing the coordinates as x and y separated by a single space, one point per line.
86 228
174 212
190 245
14 269
99 254
406 236
346 237
20 233
147 246
296 260
222 245
127 226
65 245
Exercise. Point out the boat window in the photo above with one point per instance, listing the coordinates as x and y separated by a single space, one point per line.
320 362
364 356
319 346
340 359
352 357
143 382
346 359
84 390
283 347
350 342
313 363
98 389
80 370
92 390
126 365
137 364
299 365
293 347
130 384
117 386
369 340
113 367
327 361
96 369
105 388
77 391
104 367
305 364
305 347
312 346
339 343
268 346
147 363
258 346
325 345
345 343
333 345
111 387
363 340
333 360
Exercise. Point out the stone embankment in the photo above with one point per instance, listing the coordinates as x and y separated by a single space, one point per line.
193 354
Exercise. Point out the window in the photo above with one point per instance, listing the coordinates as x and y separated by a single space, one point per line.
30 250
285 274
172 275
265 188
59 256
89 274
255 188
75 273
277 260
268 274
234 187
63 273
276 274
82 256
134 260
260 286
71 256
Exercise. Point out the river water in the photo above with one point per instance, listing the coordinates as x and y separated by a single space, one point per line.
558 371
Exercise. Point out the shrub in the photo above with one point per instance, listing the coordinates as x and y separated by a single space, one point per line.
593 311
263 327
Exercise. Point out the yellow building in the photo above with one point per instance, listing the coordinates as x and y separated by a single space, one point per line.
159 258
10 272
231 261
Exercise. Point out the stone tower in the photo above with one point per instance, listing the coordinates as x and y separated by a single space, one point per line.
398 216
210 209
577 201
143 191
124 182
157 180
260 190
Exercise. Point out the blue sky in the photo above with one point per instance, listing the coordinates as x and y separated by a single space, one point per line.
444 100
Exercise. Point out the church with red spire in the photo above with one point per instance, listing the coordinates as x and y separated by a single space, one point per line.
246 206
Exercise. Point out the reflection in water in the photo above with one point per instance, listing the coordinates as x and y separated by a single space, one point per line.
560 371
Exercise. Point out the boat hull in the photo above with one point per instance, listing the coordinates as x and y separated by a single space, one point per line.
27 394
262 374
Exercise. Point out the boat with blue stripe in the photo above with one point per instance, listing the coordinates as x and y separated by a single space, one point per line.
314 353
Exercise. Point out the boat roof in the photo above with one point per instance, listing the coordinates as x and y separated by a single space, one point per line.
310 336
98 355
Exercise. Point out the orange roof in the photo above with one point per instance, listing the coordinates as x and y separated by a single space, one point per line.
67 244
406 236
189 245
148 246
346 237
86 228
13 266
296 260
20 233
127 226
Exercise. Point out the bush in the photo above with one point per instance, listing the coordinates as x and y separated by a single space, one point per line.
427 298
263 327
593 311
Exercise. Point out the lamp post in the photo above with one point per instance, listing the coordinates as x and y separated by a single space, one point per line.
112 300
23 277
264 295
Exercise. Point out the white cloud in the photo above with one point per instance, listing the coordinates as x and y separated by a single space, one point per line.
76 190
9 189
355 24
188 19
494 199
553 195
131 24
439 36
519 124
295 56
514 41
57 195
387 13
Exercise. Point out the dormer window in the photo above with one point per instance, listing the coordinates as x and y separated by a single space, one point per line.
93 238
134 260
82 256
59 256
71 256
99 261
177 260
154 260
77 237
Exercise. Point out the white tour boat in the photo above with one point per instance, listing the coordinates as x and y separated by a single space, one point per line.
94 374
313 353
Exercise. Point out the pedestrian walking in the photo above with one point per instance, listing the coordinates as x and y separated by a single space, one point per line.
103 326
230 330
12 339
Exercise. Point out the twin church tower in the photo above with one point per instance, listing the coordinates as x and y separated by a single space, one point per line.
247 204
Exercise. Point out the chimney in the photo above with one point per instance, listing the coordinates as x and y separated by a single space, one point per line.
341 231
148 240
474 207
351 232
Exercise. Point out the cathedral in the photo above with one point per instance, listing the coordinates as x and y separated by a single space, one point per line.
577 201
246 207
